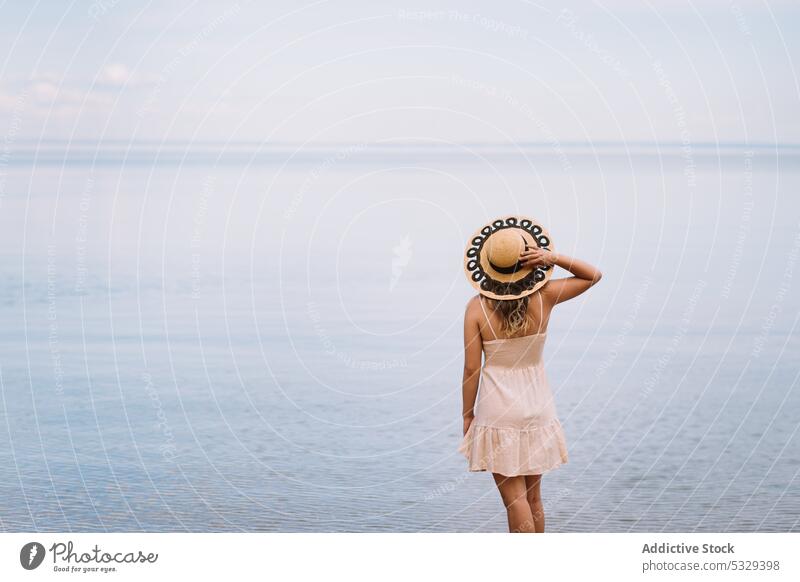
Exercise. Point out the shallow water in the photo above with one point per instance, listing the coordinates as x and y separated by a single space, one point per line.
269 347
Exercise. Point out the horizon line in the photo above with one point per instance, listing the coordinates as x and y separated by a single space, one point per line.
401 142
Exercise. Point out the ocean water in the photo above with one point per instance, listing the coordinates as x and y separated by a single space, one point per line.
247 339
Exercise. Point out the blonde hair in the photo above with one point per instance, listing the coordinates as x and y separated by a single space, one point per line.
513 314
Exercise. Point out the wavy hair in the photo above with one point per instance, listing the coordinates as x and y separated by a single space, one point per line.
513 312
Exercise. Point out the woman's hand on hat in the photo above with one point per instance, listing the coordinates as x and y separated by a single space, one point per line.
537 257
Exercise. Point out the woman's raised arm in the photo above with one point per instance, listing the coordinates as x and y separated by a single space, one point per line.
559 290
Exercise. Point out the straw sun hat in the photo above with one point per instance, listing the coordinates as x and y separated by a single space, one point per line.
491 259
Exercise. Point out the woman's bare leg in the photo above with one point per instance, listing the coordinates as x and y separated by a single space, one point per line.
514 494
534 494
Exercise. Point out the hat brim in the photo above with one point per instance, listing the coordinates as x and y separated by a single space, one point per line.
522 282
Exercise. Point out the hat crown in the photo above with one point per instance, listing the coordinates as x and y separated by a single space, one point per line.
504 247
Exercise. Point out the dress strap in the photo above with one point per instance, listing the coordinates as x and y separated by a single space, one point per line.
541 308
486 315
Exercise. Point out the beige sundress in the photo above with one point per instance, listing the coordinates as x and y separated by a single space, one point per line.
516 430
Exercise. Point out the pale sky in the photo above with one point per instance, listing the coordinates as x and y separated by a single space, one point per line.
368 71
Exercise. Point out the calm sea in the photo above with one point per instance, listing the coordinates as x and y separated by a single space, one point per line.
229 338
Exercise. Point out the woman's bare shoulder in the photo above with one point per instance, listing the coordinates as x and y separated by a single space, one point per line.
550 290
473 305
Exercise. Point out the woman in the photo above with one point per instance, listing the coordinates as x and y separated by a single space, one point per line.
512 429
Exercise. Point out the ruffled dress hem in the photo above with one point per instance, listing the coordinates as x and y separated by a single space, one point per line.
514 451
